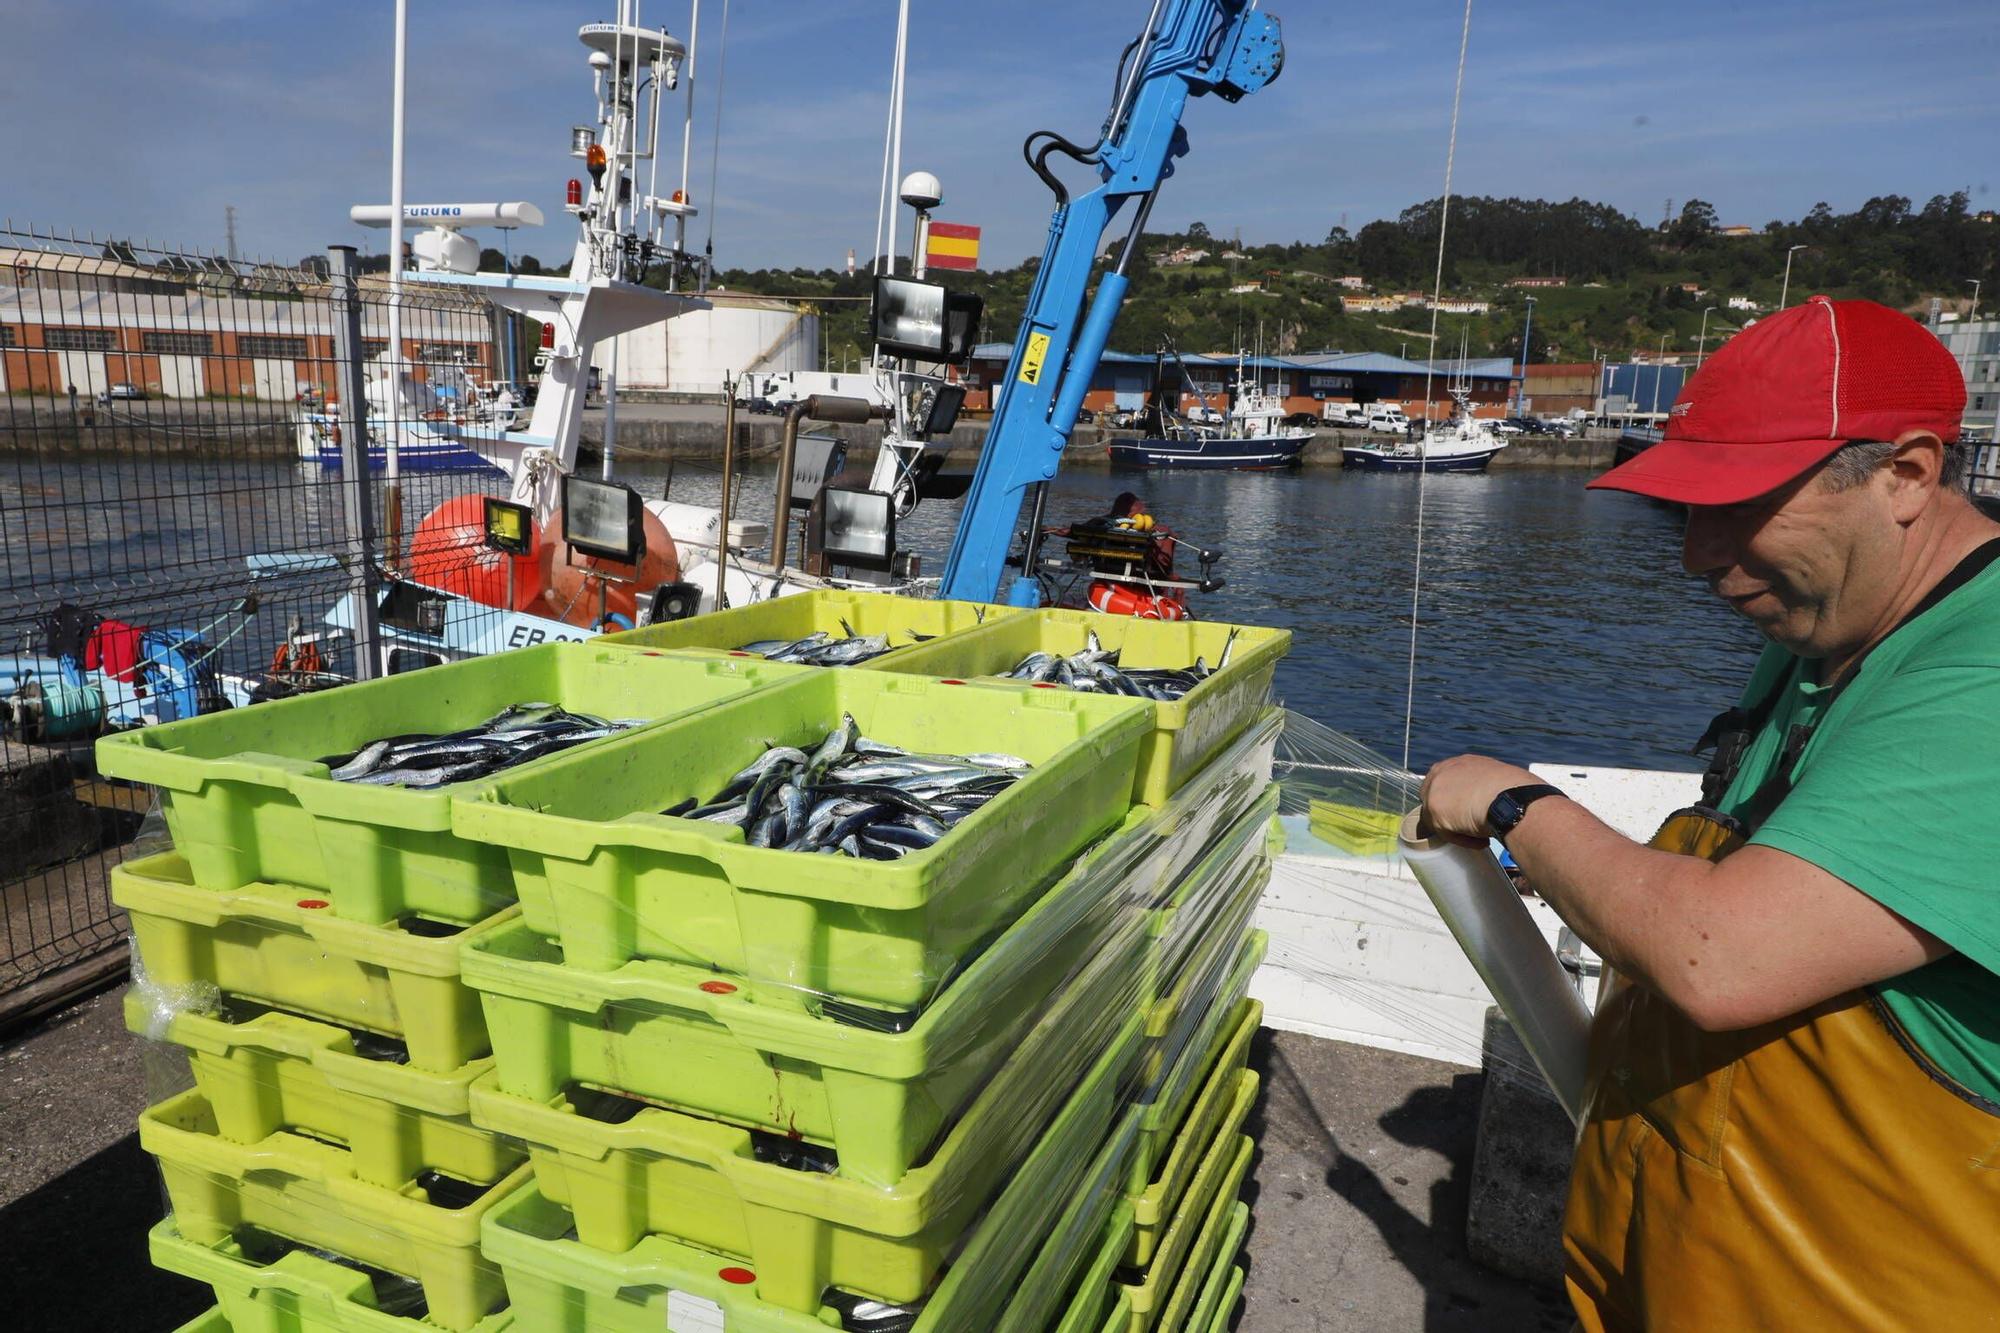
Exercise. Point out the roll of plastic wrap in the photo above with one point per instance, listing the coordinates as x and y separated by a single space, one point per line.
1486 916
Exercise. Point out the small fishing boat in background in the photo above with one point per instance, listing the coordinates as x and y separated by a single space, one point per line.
1252 435
1466 444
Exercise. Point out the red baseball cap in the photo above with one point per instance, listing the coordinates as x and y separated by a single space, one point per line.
1781 396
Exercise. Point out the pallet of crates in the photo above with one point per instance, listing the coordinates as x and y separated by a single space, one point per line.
893 624
896 1114
300 946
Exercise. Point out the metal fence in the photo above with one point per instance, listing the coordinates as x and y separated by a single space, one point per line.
179 529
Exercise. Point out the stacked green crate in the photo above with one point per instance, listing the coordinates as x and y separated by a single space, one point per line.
301 947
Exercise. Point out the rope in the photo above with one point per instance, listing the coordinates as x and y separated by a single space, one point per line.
1430 365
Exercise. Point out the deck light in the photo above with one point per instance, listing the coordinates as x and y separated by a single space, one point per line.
594 161
574 192
603 519
581 139
509 527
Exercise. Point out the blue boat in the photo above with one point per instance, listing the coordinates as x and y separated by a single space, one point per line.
1195 448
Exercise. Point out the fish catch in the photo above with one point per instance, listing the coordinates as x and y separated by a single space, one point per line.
821 649
1096 670
512 736
853 796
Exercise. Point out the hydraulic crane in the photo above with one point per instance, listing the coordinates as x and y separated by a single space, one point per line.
1188 47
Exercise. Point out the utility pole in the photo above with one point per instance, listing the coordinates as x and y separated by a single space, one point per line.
1786 290
229 230
1974 314
1701 343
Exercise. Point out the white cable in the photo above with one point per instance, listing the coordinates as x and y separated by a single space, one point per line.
1430 365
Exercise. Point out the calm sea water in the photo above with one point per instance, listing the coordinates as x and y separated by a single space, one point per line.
1554 624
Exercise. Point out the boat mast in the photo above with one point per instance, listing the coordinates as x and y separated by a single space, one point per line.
392 409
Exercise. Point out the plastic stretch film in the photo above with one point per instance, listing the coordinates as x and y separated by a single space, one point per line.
685 1082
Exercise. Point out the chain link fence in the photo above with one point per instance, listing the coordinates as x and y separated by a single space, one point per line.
184 529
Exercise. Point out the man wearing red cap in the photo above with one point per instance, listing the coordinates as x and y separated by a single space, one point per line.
1795 1114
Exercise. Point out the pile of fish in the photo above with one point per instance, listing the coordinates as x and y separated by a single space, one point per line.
512 736
1096 669
854 796
820 648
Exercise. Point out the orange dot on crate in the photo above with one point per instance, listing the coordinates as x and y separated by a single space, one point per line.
742 1277
718 988
314 902
951 682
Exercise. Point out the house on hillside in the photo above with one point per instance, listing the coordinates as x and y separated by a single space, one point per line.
1366 304
1741 303
1353 282
1538 282
1738 230
1182 257
1456 306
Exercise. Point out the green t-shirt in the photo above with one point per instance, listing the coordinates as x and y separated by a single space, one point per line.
1898 794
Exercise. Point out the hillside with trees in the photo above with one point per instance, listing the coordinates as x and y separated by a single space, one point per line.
1626 285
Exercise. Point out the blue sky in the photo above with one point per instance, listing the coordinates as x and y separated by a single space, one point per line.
145 119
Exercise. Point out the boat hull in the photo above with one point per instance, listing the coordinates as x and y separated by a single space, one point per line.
1367 460
443 456
1254 454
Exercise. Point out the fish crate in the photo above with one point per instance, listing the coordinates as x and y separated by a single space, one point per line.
247 799
1194 1237
760 1198
274 944
1175 1132
211 1320
1193 903
1185 732
678 1035
1068 1257
1093 1302
558 1284
1213 1299
1216 970
907 622
306 1191
263 1071
267 1285
1153 1211
609 878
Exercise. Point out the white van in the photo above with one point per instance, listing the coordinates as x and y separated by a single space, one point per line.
1388 419
1352 415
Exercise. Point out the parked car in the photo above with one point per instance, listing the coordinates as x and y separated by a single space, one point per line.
1349 415
1309 419
1205 416
1085 417
1388 419
1506 426
122 392
763 407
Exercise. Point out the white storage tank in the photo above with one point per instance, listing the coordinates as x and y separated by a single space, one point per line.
691 353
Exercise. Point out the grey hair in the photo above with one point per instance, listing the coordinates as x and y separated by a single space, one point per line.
1858 460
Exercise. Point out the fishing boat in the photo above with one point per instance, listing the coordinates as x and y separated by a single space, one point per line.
1464 445
438 422
1251 436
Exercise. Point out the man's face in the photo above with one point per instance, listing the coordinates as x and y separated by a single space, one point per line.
1809 566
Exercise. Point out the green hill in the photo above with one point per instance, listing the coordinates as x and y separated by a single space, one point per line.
1627 284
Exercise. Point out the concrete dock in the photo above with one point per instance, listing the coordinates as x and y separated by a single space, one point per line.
1359 1190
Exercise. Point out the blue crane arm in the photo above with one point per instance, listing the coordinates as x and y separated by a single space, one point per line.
1189 47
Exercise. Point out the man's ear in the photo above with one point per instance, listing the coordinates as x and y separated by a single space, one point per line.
1916 470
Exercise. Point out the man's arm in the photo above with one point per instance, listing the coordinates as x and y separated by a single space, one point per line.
1754 937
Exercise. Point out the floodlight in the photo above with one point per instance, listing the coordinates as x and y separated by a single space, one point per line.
604 519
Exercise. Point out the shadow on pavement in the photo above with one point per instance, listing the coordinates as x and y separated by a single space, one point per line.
75 1252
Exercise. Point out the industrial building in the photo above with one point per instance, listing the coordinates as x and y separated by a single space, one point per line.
1306 383
69 322
1976 345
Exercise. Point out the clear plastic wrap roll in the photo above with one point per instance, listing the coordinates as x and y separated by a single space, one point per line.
1485 914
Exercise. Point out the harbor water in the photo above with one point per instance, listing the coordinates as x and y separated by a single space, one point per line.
1554 624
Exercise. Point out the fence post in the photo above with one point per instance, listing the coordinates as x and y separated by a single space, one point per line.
356 489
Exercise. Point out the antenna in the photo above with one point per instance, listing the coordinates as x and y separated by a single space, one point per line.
229 229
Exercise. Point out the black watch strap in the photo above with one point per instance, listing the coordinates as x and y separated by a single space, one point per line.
1510 807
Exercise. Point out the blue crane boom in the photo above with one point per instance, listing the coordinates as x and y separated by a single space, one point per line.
1189 47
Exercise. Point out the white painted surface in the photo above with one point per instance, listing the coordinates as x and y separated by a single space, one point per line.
276 381
84 372
180 376
694 351
1358 954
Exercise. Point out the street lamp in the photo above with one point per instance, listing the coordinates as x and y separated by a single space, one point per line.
1659 373
1527 326
1701 343
1975 300
1786 290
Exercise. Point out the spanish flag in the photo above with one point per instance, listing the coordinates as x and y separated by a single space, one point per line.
952 245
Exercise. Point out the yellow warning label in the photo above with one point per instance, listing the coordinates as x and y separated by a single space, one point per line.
1031 363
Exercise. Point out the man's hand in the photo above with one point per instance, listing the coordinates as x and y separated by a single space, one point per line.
1457 793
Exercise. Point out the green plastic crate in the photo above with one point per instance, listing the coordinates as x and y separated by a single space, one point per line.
1185 732
1201 895
1174 1133
211 1320
1042 1292
1093 1301
1216 1295
1204 1035
299 1292
306 1191
559 1285
1195 1234
1153 1210
271 944
677 1035
247 800
800 614
701 1182
610 879
272 1071
1186 1001
1212 1255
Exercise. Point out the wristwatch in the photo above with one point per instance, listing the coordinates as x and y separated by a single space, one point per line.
1510 807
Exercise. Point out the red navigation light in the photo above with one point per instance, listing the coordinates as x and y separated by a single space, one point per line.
548 336
680 196
575 192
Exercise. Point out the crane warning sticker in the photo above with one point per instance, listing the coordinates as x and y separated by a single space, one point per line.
1031 360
